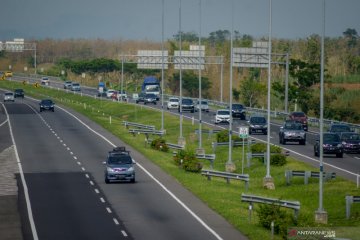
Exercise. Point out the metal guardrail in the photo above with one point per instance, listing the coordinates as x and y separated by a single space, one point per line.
175 146
209 157
264 200
307 174
227 176
138 125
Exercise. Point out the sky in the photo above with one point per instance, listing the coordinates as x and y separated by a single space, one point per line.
142 19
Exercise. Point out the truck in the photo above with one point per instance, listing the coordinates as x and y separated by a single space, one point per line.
151 85
101 89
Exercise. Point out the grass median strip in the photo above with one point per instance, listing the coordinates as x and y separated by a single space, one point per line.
217 194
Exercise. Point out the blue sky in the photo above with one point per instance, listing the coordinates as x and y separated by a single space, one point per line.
141 19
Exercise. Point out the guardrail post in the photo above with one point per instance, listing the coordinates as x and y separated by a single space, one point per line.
248 159
306 177
250 211
288 175
349 201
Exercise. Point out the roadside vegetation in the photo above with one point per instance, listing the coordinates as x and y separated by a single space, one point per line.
217 194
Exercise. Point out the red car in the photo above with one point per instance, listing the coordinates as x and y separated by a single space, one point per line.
300 117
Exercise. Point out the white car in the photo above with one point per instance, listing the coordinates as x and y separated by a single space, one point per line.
67 84
204 106
173 103
45 81
222 116
110 92
75 87
9 96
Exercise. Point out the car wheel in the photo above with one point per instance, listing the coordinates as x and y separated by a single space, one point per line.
316 154
107 180
339 155
144 103
154 103
53 110
40 110
132 180
302 142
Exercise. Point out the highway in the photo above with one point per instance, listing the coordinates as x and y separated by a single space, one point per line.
61 155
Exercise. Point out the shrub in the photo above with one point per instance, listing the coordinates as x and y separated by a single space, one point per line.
282 220
261 147
189 161
159 144
223 136
278 160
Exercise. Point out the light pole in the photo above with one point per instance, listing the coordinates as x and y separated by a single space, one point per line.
181 140
268 181
200 150
162 67
321 215
230 166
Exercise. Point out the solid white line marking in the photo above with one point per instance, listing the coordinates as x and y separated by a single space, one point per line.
97 190
102 200
108 210
124 233
26 191
3 122
116 221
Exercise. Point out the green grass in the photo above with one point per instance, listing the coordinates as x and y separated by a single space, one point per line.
217 194
355 78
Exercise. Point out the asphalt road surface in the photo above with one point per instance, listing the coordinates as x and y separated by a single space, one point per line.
61 157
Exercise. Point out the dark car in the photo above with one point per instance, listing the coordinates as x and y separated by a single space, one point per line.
292 131
150 98
19 93
140 98
331 145
257 124
119 166
47 104
187 104
238 111
339 128
300 117
350 142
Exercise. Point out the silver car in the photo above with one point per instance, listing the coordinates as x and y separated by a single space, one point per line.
9 96
204 106
292 131
119 166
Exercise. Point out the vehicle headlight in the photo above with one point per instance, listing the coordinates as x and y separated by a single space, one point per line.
130 169
339 145
252 126
109 169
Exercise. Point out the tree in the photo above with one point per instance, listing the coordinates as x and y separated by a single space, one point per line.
251 90
190 83
351 35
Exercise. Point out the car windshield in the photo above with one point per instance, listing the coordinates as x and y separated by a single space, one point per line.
187 101
19 90
203 103
76 84
331 138
8 94
340 128
293 126
237 106
298 114
46 102
258 120
223 112
174 100
350 136
150 96
120 159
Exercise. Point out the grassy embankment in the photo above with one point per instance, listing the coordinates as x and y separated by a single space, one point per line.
223 198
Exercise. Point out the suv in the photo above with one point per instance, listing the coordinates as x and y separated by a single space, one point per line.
45 81
339 128
222 116
19 93
350 142
292 131
119 166
187 104
141 97
67 84
238 111
75 87
257 124
300 117
331 145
